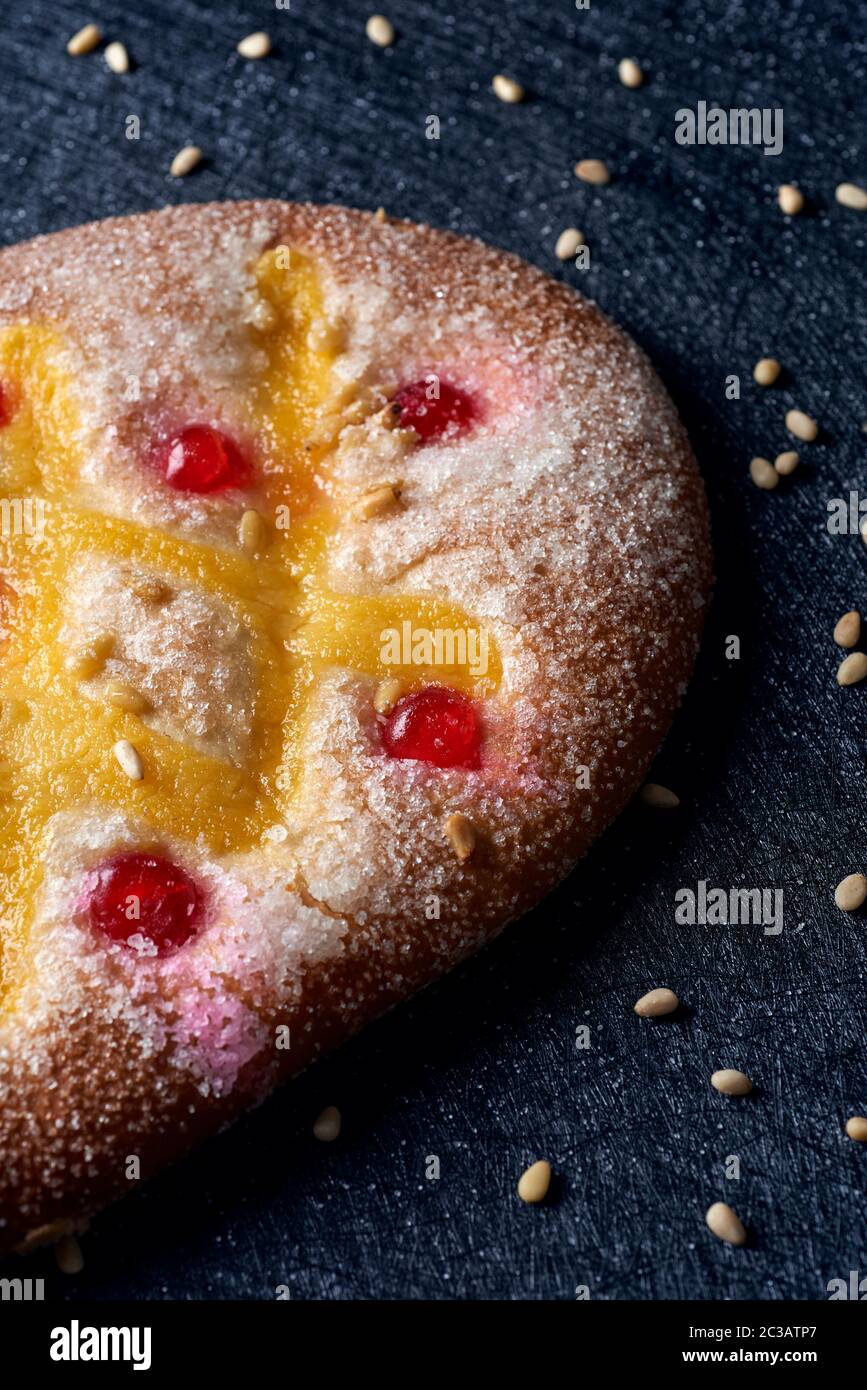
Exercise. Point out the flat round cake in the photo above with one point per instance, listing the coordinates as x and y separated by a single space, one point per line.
351 574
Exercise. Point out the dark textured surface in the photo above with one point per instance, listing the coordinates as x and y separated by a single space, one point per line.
692 256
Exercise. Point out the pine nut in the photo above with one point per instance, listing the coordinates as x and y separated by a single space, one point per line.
787 463
856 1128
129 760
252 532
461 834
652 794
850 892
764 474
327 1125
378 500
629 72
123 697
386 695
848 629
534 1183
380 30
185 161
851 196
592 171
117 57
657 1003
852 669
731 1082
800 425
152 591
507 89
725 1224
48 1234
67 1253
766 371
790 199
85 40
92 659
256 45
567 243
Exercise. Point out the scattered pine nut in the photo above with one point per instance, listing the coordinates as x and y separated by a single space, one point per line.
47 1234
764 474
380 215
327 1125
801 426
117 57
85 40
92 659
507 89
852 669
185 161
731 1082
652 794
851 196
67 1253
726 1224
766 371
386 695
850 892
256 45
567 243
151 591
125 698
378 500
848 629
380 30
592 171
787 463
657 1003
856 1128
534 1183
629 72
461 834
128 757
252 532
790 199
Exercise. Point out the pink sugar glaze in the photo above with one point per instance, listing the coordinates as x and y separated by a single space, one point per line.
219 1033
498 388
192 994
216 1030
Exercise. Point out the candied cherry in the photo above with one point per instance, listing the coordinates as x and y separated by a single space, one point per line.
144 895
7 404
434 725
452 412
200 458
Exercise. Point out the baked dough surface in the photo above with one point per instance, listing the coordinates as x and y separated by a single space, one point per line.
569 525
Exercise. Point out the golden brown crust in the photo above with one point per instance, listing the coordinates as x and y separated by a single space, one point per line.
575 524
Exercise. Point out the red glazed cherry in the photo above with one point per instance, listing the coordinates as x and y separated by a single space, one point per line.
143 895
202 459
7 404
449 414
434 725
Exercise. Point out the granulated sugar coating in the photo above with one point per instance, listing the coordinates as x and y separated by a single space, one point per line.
567 525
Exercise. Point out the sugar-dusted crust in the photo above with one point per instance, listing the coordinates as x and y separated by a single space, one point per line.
573 521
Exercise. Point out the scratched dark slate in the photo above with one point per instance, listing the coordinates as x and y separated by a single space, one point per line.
691 255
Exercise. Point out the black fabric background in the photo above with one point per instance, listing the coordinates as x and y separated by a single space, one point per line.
692 256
